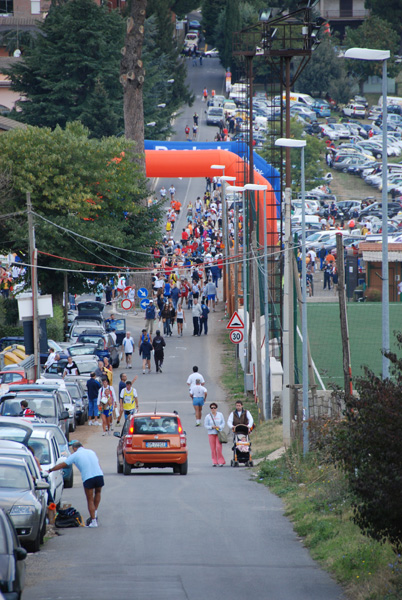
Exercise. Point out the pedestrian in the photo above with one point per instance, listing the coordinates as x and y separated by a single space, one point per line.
205 94
70 368
172 316
93 387
128 347
172 191
200 60
195 130
87 463
193 376
128 399
180 319
165 313
322 254
108 370
187 132
327 275
150 316
99 370
204 318
240 416
175 294
198 394
214 422
158 345
121 284
210 291
50 359
145 351
195 118
106 402
196 312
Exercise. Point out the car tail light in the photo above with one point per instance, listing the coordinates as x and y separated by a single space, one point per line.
183 440
128 440
179 426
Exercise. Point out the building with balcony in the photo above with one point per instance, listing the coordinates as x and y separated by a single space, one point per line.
343 13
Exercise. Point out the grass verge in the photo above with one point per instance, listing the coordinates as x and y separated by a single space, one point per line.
319 504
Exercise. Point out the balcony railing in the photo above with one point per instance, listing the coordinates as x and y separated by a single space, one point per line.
341 14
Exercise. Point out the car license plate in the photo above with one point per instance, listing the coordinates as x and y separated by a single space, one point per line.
156 444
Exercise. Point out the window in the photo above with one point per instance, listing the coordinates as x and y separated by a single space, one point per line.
6 7
14 477
42 450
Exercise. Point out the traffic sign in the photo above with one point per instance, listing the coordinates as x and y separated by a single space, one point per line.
142 293
126 304
236 336
235 322
144 303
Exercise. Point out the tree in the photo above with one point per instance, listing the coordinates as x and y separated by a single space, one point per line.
228 23
367 445
388 10
325 73
75 58
89 186
373 33
211 10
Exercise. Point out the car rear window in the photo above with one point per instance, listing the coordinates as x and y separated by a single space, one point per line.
15 434
43 407
13 476
155 424
41 449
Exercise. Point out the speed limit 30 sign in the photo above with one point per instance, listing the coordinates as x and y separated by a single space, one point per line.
236 336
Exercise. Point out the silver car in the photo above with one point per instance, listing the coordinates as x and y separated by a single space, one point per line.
22 498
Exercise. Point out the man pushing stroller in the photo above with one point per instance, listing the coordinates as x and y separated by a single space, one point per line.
241 422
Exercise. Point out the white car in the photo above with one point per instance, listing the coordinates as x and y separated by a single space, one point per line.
329 132
47 452
213 53
354 110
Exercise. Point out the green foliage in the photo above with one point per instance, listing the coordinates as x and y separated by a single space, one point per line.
76 58
367 445
373 33
11 330
325 73
55 324
92 187
211 10
182 7
388 10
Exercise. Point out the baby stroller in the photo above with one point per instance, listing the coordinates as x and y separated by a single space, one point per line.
241 447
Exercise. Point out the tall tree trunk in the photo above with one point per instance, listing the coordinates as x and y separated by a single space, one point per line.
132 76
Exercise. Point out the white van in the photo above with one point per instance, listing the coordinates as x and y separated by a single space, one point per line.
296 97
192 39
391 100
310 220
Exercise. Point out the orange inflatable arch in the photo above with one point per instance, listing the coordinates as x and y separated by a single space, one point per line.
197 163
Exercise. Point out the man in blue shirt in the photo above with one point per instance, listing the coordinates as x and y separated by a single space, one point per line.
87 463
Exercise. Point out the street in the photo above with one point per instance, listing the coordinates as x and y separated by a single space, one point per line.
214 533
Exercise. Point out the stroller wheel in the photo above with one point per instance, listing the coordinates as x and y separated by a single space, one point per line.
236 464
232 463
251 464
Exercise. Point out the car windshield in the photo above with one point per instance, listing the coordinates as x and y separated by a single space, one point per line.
14 476
96 340
10 454
15 434
41 448
155 424
74 393
117 324
87 367
82 350
215 111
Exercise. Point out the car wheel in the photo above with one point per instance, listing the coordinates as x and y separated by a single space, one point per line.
67 434
82 419
126 467
119 466
344 170
176 469
184 468
116 363
35 545
72 426
68 483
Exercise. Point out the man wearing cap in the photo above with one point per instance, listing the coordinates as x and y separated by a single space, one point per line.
199 394
128 345
87 463
150 315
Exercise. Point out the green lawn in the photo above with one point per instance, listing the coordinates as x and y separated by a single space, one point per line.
365 334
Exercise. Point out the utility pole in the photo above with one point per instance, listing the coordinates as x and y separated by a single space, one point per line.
347 367
34 285
257 316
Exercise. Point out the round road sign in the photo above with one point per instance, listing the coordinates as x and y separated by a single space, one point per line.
144 303
126 304
236 336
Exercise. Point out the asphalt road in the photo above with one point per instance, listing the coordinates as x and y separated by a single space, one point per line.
213 534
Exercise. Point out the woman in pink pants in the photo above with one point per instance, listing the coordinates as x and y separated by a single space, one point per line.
213 423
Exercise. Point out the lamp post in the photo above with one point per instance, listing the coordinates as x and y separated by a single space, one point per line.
382 55
263 188
292 143
238 188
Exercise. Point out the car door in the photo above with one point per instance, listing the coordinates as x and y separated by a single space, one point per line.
58 479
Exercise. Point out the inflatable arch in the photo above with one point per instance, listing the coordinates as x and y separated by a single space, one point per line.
191 161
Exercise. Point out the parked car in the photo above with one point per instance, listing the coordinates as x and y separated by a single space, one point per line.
215 114
79 327
321 109
354 110
213 53
152 440
15 428
46 448
68 402
106 345
64 450
12 557
80 399
22 498
86 364
14 376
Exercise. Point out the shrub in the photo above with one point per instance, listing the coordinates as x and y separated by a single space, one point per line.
373 295
55 325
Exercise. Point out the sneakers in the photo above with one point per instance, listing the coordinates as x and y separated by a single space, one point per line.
90 423
104 432
143 372
160 370
97 423
92 523
111 428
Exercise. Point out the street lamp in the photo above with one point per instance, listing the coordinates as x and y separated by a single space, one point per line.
263 188
383 55
293 143
239 188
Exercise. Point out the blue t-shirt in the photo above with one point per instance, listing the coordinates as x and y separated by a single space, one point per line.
93 388
86 462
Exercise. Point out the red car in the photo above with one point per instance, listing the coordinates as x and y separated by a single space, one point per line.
152 440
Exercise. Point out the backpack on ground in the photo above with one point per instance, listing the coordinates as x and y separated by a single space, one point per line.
70 517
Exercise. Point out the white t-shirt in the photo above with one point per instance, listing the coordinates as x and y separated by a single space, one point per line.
128 345
191 379
121 284
198 391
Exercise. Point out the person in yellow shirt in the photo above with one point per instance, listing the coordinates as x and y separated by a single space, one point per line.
128 399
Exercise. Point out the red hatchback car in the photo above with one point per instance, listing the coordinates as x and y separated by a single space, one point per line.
152 440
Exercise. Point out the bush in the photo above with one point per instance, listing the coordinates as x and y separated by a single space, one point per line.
373 295
55 325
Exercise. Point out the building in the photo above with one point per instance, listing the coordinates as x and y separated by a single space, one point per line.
372 257
343 13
